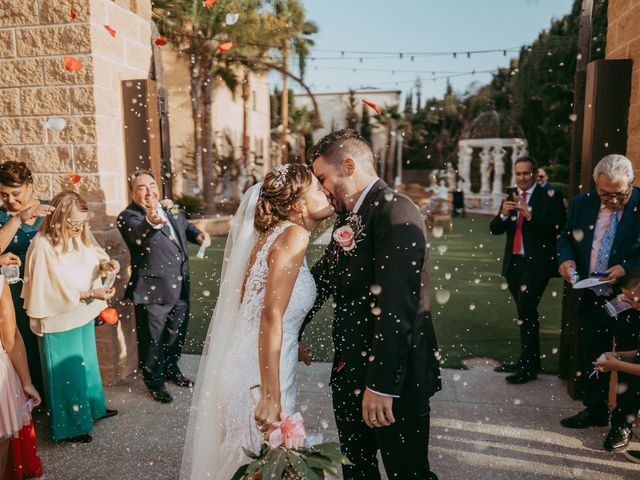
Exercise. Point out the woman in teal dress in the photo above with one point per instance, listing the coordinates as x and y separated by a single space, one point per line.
20 218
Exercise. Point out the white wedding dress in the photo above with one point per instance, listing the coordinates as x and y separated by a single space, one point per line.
221 421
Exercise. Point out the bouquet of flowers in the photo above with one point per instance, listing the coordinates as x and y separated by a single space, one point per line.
290 455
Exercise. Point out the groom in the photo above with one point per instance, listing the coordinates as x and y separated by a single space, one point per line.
385 366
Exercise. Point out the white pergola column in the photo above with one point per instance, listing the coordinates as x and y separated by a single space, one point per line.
465 152
485 165
498 169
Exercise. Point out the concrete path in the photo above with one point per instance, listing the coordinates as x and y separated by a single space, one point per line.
482 428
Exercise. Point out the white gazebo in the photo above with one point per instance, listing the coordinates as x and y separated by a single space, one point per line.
496 136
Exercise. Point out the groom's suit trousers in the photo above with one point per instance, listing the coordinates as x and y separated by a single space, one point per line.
404 445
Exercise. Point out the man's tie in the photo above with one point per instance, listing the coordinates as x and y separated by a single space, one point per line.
517 239
602 260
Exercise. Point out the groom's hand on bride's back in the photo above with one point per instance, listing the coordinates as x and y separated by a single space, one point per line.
304 353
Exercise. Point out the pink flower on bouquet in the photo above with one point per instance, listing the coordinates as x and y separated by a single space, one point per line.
290 431
344 237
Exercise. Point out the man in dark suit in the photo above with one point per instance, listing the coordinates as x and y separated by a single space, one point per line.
386 363
542 179
532 220
159 284
602 236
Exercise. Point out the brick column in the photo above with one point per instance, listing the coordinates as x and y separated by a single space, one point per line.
34 86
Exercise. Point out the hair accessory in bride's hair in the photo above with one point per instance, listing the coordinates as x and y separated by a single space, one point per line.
281 175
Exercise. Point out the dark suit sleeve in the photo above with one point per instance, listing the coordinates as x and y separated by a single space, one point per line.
565 245
134 228
399 249
553 217
497 225
321 272
192 232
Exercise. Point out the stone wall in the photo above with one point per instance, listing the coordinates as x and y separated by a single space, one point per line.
623 41
35 36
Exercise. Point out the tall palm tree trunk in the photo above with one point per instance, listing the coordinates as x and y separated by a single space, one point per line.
388 161
208 169
196 93
243 165
285 104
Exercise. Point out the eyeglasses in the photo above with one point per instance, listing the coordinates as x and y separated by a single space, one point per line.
78 224
620 196
524 174
541 177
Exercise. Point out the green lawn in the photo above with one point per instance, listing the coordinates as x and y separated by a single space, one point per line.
473 312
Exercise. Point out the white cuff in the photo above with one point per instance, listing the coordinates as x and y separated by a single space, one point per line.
155 227
503 217
383 394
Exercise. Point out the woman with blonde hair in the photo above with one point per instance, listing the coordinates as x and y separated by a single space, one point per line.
63 294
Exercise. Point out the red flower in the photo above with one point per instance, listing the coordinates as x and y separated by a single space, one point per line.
209 3
160 41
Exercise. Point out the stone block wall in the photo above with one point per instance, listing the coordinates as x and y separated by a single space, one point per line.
623 41
35 36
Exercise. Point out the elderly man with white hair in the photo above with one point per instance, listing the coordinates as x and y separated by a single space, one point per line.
602 239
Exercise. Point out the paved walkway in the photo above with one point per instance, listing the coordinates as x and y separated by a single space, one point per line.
482 428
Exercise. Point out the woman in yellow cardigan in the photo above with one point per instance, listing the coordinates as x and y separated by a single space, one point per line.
63 294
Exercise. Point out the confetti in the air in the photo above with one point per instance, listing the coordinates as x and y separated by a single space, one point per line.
232 18
372 105
75 178
111 31
72 64
73 14
225 47
56 123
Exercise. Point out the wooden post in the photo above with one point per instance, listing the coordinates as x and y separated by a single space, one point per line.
569 337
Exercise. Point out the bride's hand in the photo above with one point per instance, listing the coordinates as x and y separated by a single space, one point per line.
304 353
266 414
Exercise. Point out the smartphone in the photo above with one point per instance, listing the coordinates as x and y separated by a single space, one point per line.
109 280
512 194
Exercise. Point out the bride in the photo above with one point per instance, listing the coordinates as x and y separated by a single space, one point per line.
266 290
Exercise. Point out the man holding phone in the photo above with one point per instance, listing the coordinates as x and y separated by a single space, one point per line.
602 239
532 218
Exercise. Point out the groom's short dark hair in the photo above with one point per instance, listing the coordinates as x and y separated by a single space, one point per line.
340 144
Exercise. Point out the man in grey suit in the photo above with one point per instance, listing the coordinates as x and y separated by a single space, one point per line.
159 285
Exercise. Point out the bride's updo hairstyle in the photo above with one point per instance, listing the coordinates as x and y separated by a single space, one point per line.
283 187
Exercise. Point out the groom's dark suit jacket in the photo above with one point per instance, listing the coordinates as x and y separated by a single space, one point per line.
159 265
382 328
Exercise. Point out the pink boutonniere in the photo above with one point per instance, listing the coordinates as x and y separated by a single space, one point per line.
347 235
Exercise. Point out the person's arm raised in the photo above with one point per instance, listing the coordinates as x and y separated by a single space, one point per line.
286 257
13 344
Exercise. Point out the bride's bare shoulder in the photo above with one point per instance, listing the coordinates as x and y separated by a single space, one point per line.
294 238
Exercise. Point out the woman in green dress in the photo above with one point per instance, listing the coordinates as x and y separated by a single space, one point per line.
20 217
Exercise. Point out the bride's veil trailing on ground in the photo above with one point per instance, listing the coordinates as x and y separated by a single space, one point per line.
204 433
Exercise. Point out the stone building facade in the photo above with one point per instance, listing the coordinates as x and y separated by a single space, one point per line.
35 36
623 41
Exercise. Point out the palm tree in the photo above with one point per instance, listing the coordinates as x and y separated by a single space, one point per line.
391 121
302 125
292 31
197 31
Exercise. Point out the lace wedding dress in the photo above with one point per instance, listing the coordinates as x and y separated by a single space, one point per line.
221 421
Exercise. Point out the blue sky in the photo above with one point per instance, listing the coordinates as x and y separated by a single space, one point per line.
419 26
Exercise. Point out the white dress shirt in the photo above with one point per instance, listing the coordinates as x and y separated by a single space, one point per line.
163 215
